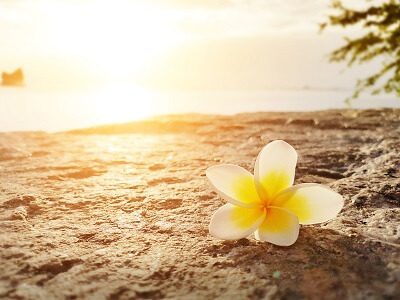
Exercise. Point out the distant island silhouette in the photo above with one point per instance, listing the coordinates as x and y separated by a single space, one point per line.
13 79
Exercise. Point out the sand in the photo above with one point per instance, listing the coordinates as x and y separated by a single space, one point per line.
122 211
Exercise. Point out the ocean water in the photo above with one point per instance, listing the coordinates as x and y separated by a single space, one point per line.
28 109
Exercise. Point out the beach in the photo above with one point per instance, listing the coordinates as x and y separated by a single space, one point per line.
122 211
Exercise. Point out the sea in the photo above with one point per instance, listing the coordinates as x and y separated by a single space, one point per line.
34 109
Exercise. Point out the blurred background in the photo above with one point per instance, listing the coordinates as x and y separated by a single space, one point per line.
93 62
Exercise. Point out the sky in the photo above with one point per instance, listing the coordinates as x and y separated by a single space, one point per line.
174 44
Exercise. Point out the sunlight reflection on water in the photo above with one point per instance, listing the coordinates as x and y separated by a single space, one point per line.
30 109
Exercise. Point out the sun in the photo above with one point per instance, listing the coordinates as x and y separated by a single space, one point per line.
115 38
118 40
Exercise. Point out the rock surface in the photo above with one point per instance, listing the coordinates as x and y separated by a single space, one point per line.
122 211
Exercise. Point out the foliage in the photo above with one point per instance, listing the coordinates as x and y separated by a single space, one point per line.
381 38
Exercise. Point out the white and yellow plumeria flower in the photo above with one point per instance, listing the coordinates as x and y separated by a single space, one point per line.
267 204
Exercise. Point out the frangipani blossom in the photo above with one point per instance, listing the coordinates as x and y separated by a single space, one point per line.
267 204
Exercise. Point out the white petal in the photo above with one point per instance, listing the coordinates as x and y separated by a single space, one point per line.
234 184
280 227
312 203
232 222
274 169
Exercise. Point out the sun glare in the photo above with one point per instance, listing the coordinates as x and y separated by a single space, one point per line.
118 38
120 103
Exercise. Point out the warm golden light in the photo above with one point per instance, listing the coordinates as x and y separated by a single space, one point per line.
78 63
117 39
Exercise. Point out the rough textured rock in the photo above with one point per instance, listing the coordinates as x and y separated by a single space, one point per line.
122 211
